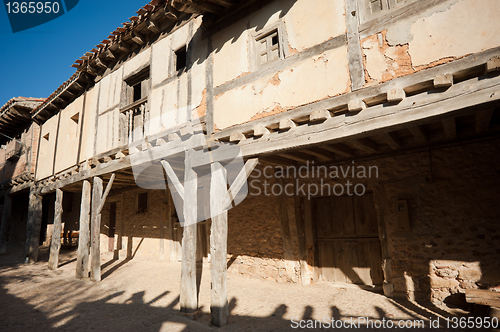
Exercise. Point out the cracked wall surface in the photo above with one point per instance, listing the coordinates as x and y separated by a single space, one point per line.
441 34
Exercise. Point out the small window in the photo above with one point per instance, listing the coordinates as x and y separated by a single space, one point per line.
142 203
268 47
138 86
375 8
181 58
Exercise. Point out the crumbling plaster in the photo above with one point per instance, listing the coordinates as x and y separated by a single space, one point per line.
440 34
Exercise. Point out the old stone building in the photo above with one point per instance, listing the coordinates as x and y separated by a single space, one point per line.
374 123
18 155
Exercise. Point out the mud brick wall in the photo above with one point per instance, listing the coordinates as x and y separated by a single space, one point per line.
10 169
255 240
453 243
139 232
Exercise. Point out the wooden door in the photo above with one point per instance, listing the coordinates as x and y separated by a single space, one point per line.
347 237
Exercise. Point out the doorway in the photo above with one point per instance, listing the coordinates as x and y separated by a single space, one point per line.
347 238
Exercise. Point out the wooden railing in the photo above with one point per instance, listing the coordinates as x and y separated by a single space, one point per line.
134 121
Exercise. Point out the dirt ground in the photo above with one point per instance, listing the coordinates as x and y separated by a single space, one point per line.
144 296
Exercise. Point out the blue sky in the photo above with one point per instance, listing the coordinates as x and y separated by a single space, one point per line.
34 62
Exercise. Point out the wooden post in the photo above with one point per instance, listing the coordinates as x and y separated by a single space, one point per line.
34 225
301 239
95 231
188 296
98 200
6 213
82 260
55 245
218 245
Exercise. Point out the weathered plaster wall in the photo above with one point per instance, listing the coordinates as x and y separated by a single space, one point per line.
440 34
176 96
107 131
313 79
47 148
111 85
88 129
69 135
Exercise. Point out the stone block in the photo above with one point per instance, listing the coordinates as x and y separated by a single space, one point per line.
436 282
471 274
446 273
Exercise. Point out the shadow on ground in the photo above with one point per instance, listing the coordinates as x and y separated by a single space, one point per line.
111 312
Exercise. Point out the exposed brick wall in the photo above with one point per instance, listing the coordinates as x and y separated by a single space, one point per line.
26 163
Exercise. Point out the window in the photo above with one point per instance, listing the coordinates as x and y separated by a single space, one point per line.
137 86
181 58
373 8
142 203
268 47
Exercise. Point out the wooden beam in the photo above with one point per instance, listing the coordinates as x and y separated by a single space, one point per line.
483 119
260 131
173 178
418 134
396 95
152 26
137 38
450 128
339 149
356 105
237 137
286 124
6 215
300 157
95 233
356 66
240 181
55 244
392 140
301 240
365 145
188 295
106 192
483 297
218 245
34 226
443 81
321 155
493 64
319 116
